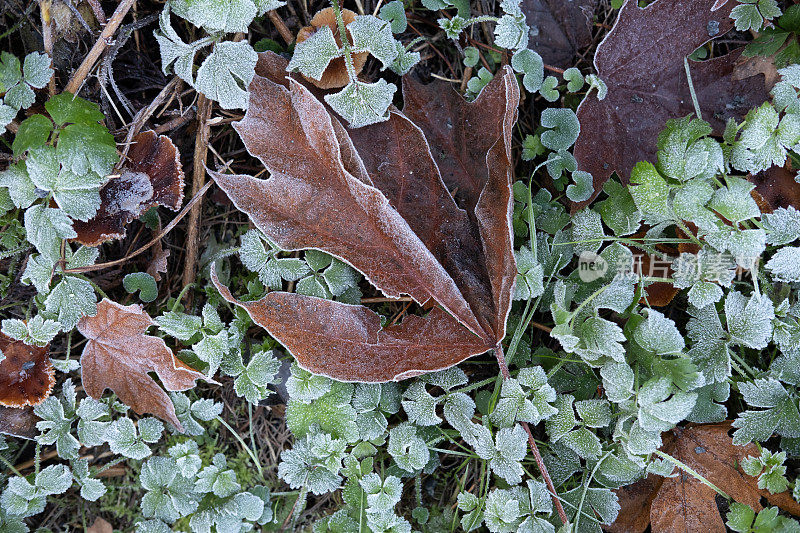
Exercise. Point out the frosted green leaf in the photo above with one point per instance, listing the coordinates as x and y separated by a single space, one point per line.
313 462
229 16
124 439
211 349
684 152
751 14
216 479
472 57
419 405
70 300
7 114
408 450
782 225
710 351
452 27
169 495
574 79
745 245
734 202
530 275
395 13
268 5
564 421
36 70
404 60
362 104
658 334
381 494
659 408
781 417
447 379
67 108
260 372
502 513
85 147
38 331
55 427
511 445
10 71
650 192
565 128
595 82
92 430
530 65
587 231
20 187
710 404
55 479
749 320
511 32
758 147
476 84
769 469
226 73
304 386
594 413
45 227
189 413
602 501
619 211
174 51
373 35
312 56
618 380
548 89
142 282
20 96
33 132
187 458
785 264
582 189
179 325
332 412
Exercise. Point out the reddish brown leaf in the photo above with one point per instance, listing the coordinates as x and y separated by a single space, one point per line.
563 28
683 503
347 343
18 422
100 525
118 356
152 176
375 198
335 75
778 187
26 373
642 62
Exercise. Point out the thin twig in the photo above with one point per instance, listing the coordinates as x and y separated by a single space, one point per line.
198 179
276 19
104 40
501 361
167 229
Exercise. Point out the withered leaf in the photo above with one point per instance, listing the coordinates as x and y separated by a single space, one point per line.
18 422
683 503
563 28
152 176
375 198
118 356
642 62
26 373
777 186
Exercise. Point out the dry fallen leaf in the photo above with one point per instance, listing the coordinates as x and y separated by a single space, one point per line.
335 75
118 356
100 525
562 27
18 422
777 186
642 62
152 176
682 503
26 373
374 198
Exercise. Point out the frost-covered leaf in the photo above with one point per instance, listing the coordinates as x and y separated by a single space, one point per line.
362 104
313 462
785 264
260 371
408 450
71 300
226 73
749 319
312 56
229 16
373 35
564 125
530 65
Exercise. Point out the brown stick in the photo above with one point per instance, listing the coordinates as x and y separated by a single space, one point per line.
281 26
78 78
198 179
501 361
47 38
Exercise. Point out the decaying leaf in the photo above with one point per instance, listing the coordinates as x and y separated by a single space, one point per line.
118 356
335 74
642 62
18 422
374 197
152 176
26 373
683 503
778 187
562 28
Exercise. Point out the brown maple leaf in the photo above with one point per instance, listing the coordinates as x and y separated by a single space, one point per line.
642 62
152 176
119 355
683 503
562 27
375 198
26 373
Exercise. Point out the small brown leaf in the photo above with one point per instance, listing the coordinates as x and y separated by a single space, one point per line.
118 356
18 422
100 525
335 75
683 503
152 176
642 62
563 28
375 198
26 373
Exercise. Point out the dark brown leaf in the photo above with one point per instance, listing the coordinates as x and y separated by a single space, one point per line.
642 62
375 198
18 422
152 176
26 373
777 186
683 503
563 28
119 355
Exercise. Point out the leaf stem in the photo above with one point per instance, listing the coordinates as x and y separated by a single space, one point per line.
348 57
691 89
501 362
686 468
